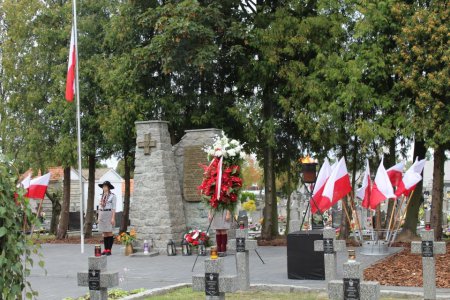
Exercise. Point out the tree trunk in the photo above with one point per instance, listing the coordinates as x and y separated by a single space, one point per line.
126 201
91 195
412 215
64 217
437 194
270 226
56 210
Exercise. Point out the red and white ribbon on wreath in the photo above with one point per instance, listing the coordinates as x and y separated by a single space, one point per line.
219 178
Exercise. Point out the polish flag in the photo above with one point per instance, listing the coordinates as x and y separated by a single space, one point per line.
411 178
395 173
38 187
324 174
337 186
364 191
70 81
382 187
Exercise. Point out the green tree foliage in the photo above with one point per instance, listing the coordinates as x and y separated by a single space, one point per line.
15 247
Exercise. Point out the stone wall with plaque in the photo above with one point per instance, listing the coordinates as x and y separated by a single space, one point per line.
188 155
194 156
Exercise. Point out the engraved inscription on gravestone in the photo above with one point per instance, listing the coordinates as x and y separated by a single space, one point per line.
351 289
240 244
427 249
94 280
194 156
328 247
212 284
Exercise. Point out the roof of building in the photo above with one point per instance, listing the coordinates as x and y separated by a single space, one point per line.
98 172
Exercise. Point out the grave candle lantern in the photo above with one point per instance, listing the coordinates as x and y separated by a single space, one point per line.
351 255
171 250
309 169
98 250
201 248
214 253
241 225
145 247
186 249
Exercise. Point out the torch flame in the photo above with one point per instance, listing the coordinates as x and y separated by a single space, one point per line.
307 160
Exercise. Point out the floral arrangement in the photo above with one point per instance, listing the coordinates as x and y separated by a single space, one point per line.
222 179
194 237
127 238
249 205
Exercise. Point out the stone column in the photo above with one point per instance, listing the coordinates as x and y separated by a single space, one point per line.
157 208
242 245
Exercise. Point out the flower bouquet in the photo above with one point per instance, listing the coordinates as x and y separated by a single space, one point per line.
222 178
127 238
194 236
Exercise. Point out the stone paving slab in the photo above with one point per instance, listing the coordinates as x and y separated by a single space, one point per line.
63 261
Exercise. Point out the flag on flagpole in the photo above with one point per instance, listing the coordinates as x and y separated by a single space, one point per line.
364 191
324 174
395 173
337 186
38 187
411 178
70 80
382 187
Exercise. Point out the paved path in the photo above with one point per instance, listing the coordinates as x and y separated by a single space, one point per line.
62 262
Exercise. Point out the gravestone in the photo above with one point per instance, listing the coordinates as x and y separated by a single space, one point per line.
329 245
353 287
98 278
294 221
157 209
214 282
428 248
242 245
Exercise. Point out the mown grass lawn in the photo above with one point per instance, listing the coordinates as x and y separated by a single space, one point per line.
187 293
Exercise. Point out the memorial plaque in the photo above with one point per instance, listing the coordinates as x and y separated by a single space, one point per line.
94 280
212 284
427 248
240 244
328 247
351 289
194 156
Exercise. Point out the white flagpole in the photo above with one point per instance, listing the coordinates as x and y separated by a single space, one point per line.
77 93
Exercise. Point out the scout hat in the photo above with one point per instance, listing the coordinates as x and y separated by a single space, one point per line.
111 187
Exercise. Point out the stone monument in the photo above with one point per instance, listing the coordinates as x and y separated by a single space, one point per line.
428 248
157 209
166 201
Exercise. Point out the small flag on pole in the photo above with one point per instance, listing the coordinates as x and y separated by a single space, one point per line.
70 81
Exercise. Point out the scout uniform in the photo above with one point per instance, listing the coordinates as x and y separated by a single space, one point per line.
105 214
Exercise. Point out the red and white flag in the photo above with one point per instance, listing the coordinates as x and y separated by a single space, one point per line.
411 178
38 187
382 187
324 174
337 186
70 81
365 190
395 173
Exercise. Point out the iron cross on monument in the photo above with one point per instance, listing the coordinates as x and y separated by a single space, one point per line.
147 144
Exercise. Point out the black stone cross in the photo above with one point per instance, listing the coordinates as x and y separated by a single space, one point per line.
147 144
